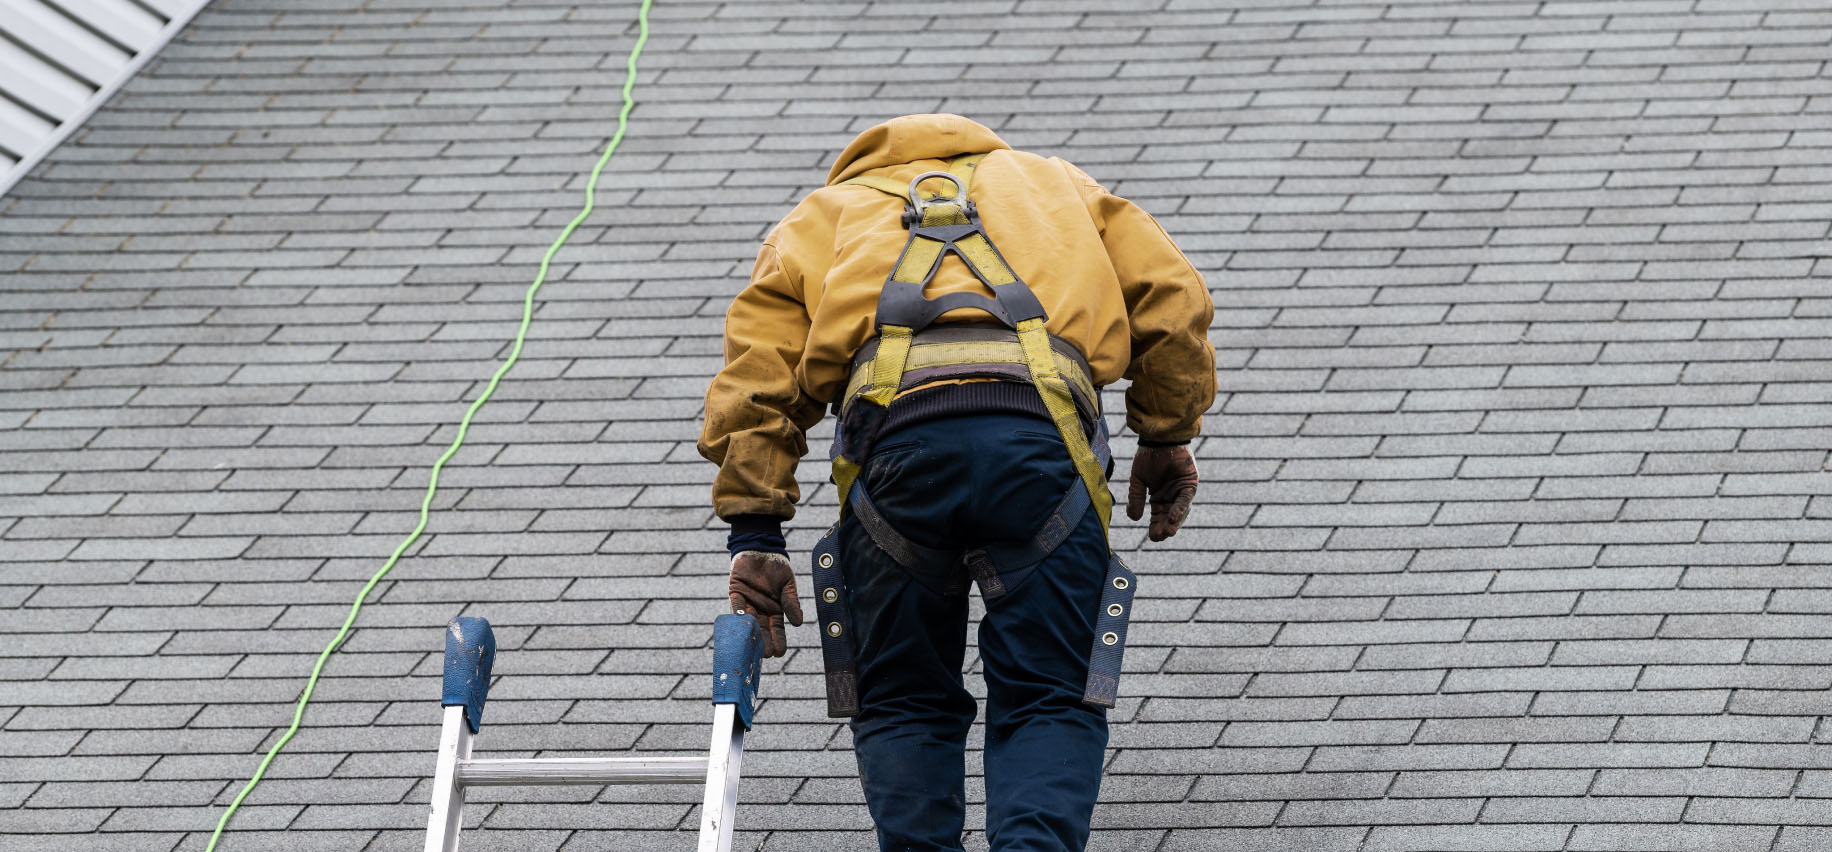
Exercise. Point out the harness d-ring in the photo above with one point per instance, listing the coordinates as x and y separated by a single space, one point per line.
913 214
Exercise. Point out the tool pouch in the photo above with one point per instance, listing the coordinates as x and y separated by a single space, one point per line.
1109 635
835 615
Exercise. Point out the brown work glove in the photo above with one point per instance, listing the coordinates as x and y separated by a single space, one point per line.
763 585
1169 475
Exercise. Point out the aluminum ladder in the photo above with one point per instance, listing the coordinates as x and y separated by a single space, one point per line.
470 647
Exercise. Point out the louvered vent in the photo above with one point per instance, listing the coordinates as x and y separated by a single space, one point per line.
59 59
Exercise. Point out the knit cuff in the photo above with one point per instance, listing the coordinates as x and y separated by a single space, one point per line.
756 532
1145 443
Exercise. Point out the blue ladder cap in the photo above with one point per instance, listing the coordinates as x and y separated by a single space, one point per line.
737 663
470 648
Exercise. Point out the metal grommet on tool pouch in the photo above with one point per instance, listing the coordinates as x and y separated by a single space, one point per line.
835 614
1110 635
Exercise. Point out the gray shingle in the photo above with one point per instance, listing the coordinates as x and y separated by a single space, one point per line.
1685 837
1520 342
1524 838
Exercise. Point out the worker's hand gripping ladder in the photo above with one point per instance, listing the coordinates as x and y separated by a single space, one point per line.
470 648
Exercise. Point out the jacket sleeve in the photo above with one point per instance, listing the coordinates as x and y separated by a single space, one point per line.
1169 309
756 412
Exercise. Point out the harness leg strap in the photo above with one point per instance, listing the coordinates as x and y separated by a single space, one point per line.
1104 659
986 574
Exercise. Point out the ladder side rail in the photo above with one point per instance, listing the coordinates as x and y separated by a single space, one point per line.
721 802
448 794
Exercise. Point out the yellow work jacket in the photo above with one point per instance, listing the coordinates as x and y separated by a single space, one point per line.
1113 283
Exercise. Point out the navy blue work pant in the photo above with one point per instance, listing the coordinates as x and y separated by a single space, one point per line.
952 484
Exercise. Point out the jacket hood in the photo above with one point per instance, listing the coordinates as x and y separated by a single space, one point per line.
911 138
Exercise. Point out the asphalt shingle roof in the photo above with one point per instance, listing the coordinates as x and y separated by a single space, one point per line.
1515 518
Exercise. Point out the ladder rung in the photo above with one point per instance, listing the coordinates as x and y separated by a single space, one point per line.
582 770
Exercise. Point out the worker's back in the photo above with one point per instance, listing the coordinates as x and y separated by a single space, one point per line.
1112 283
965 457
841 241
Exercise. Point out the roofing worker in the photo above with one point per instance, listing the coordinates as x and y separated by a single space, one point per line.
962 332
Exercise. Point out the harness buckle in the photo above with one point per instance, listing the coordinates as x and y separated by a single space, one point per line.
984 573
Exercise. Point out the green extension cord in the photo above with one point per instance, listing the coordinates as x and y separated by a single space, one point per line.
591 187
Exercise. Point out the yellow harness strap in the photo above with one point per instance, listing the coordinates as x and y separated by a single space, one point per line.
886 375
920 257
845 472
1061 404
894 346
930 355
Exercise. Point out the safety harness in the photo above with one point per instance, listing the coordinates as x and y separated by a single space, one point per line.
908 353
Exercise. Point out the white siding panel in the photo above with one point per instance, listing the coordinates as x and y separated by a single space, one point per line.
52 33
20 130
28 80
120 20
66 71
175 8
